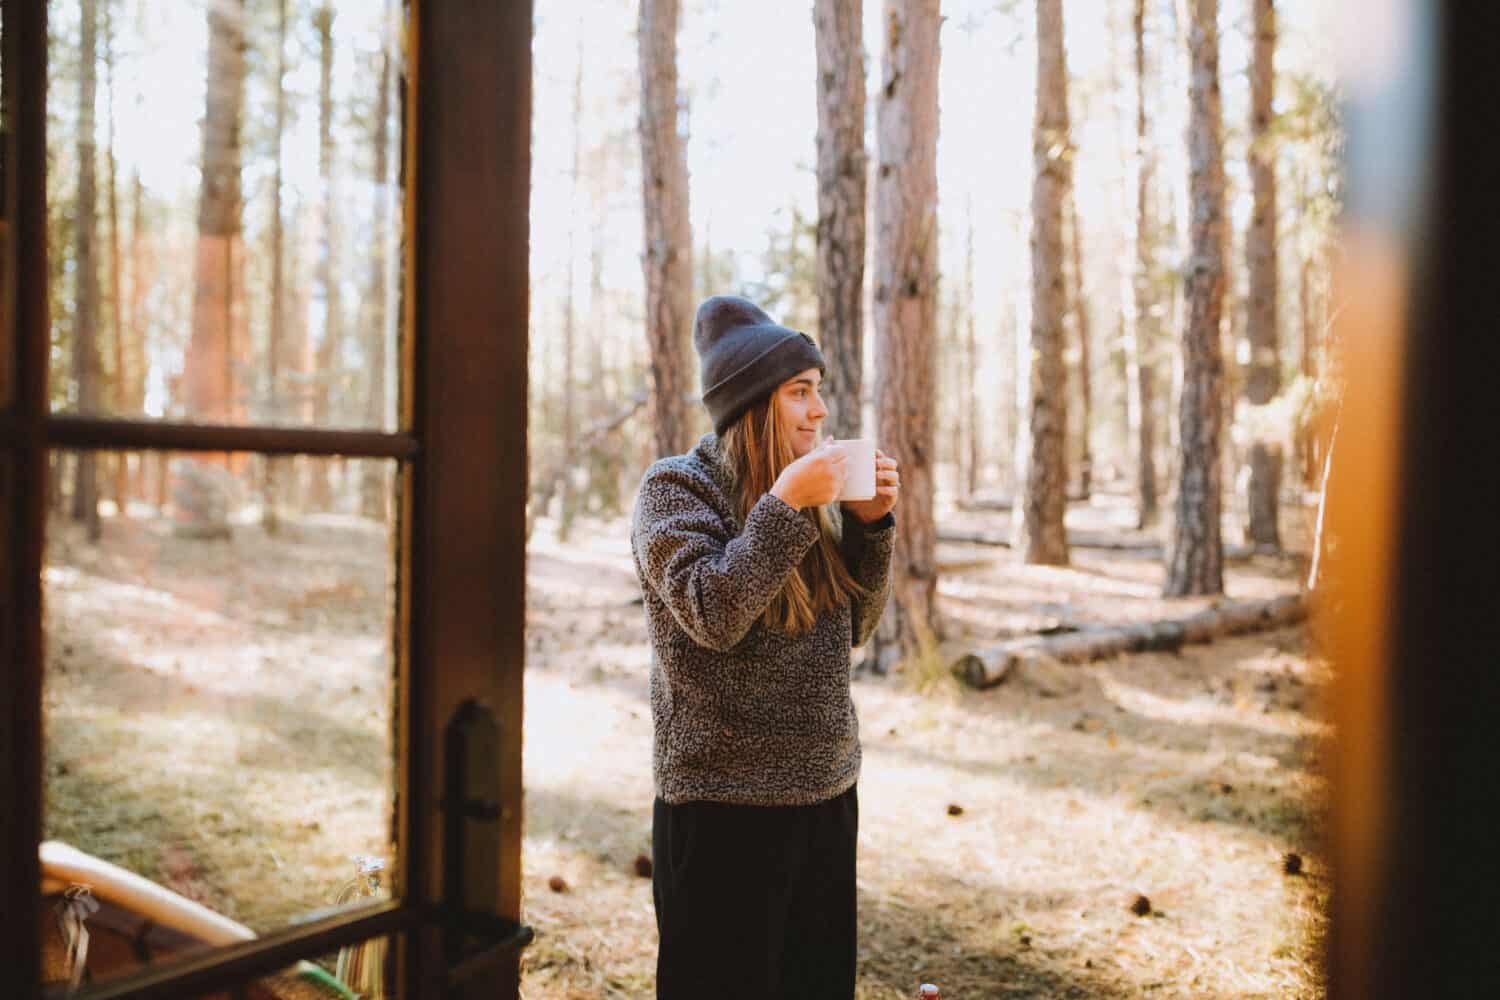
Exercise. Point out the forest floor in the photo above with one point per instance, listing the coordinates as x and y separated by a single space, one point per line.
217 718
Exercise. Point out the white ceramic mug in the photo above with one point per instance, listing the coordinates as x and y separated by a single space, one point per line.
861 482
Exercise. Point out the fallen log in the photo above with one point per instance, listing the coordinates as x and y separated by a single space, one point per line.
993 664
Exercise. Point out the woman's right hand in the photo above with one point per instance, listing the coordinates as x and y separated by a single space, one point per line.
814 479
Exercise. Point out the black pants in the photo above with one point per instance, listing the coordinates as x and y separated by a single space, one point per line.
755 902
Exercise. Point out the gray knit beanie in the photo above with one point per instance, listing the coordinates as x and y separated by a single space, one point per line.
745 356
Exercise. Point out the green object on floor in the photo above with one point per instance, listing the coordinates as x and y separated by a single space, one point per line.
317 974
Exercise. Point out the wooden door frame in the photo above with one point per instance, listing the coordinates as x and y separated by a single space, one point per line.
461 498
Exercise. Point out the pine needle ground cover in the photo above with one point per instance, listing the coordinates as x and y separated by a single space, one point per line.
1140 826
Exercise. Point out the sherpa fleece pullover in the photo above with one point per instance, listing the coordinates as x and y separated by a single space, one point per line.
744 712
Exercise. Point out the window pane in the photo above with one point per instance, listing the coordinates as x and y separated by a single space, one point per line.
218 698
223 210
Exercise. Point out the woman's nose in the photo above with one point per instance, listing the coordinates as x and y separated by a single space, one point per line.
819 411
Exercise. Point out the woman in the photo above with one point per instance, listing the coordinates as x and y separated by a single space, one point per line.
756 586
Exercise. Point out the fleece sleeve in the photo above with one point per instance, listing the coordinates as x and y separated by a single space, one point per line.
715 585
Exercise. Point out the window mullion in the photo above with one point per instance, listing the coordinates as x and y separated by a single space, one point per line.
23 381
69 431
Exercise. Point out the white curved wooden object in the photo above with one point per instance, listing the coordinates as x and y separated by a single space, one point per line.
65 865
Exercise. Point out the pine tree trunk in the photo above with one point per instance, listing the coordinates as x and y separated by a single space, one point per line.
275 465
119 388
161 462
140 280
1015 345
1145 331
1080 306
374 488
1040 535
568 499
668 256
86 373
842 180
55 461
971 366
301 349
1174 91
199 494
1266 462
905 313
1309 319
1263 381
1307 459
330 337
949 400
1195 561
603 463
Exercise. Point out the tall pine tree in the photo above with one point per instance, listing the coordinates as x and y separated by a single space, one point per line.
668 255
1263 380
842 169
86 366
1041 537
906 313
209 368
1195 558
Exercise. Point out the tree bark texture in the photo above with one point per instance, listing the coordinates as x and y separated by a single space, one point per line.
973 439
141 278
1080 306
1145 327
210 388
374 487
208 371
1195 558
86 365
1263 380
276 325
905 308
119 381
1266 462
330 337
1306 441
668 255
569 501
1041 537
842 170
604 463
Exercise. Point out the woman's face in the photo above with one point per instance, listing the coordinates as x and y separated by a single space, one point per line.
801 410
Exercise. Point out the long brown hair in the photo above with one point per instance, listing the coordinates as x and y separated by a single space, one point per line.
756 451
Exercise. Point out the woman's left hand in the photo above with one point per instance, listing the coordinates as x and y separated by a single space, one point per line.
887 491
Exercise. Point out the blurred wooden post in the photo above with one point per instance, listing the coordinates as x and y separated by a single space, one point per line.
1407 606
